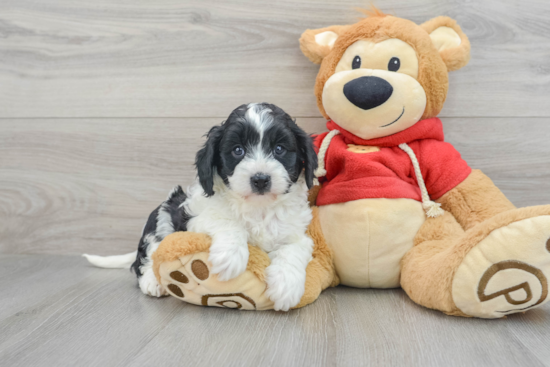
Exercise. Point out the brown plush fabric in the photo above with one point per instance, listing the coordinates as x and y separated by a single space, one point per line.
455 58
314 52
428 270
312 195
440 228
475 200
180 244
320 271
177 245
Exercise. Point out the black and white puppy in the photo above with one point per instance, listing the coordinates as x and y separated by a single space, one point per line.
254 173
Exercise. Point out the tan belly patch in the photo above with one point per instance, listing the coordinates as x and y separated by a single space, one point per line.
369 237
360 149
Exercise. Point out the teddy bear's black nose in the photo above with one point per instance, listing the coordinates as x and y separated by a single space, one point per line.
368 92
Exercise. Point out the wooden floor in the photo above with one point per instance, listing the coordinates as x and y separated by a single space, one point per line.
57 311
103 105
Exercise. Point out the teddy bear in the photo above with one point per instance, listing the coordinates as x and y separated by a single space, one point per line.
396 205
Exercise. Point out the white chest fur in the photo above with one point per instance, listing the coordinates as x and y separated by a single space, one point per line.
269 222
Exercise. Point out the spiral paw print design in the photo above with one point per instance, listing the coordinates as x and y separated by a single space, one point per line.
190 279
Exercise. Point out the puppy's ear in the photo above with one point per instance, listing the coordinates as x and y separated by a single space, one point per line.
307 153
450 41
317 43
206 158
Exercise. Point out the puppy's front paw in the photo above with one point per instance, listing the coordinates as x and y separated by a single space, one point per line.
150 286
228 261
285 286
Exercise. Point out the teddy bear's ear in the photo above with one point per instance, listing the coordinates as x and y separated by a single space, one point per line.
317 43
450 41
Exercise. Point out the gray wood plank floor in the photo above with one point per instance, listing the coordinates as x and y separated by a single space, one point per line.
103 105
61 312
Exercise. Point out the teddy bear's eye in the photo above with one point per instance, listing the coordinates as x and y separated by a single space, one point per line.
394 64
356 64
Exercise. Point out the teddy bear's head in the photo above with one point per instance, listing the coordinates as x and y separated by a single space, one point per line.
383 74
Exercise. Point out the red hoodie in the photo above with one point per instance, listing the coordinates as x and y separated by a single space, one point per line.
389 172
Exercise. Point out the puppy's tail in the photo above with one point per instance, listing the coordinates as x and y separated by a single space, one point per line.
112 262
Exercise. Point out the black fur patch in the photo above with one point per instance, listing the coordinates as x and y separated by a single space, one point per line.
238 132
179 216
216 155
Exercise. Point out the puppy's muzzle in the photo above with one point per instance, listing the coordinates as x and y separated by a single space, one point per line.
368 92
260 183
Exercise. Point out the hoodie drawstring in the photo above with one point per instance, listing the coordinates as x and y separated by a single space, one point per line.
431 208
321 171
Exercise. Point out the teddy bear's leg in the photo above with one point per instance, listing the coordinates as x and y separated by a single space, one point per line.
426 275
182 267
498 267
475 200
320 272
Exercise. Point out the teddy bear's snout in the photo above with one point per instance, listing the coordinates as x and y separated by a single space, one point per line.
367 92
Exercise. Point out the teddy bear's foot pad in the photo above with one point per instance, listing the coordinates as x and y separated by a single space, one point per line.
506 272
190 279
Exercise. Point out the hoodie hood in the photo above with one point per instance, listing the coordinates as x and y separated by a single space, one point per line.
431 128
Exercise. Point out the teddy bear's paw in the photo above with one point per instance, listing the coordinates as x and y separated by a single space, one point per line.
507 271
191 279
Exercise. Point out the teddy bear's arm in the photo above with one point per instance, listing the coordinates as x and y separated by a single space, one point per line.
474 200
469 195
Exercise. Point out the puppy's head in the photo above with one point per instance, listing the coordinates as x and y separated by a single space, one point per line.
259 151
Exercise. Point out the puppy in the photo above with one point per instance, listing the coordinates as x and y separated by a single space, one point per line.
254 173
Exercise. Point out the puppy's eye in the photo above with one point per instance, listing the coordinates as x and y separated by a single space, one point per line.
238 152
356 64
394 64
279 150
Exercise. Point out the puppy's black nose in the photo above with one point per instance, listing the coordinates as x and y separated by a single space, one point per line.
260 183
368 92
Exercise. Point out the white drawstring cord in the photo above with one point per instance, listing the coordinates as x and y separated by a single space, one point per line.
432 208
321 171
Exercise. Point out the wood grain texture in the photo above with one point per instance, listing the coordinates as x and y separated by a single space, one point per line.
403 334
87 185
169 58
98 317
